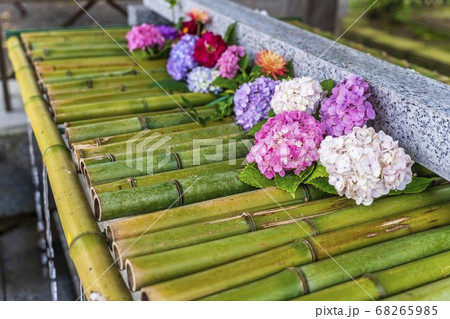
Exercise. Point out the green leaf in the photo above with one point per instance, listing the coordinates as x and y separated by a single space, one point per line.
417 185
224 83
271 113
255 129
253 177
328 85
322 184
171 85
192 111
186 102
290 67
220 99
172 3
291 181
319 179
255 72
243 63
229 37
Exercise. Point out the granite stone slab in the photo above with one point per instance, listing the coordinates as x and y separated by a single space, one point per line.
410 107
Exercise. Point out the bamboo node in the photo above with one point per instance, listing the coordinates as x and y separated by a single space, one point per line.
132 182
249 219
110 157
303 279
143 122
97 141
180 193
307 195
145 105
177 159
122 88
90 85
311 250
378 284
312 225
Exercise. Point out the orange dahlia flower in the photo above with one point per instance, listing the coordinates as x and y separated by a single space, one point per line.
271 63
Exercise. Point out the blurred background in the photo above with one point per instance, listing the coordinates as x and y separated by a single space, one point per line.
411 33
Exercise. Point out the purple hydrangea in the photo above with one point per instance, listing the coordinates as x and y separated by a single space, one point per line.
181 59
168 32
347 107
252 101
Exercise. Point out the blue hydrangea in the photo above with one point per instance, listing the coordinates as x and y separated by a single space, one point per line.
252 101
200 79
181 59
168 32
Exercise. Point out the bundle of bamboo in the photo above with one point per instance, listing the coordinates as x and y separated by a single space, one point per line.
199 232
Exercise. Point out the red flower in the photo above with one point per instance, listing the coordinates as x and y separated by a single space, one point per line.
190 27
208 49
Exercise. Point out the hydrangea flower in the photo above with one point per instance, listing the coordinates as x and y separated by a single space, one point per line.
364 165
181 59
208 49
168 32
228 62
271 63
145 36
252 101
288 141
347 106
302 94
200 79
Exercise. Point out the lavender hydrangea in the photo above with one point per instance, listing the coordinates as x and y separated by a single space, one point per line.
168 32
252 101
200 79
347 107
181 59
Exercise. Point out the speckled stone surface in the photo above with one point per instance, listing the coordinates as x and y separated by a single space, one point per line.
410 107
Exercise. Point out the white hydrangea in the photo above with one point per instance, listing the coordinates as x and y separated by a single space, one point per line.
364 164
298 94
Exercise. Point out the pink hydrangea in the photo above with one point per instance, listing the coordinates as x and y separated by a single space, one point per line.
288 141
347 107
228 61
145 36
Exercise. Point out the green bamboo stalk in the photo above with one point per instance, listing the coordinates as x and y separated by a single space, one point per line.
155 124
75 86
189 172
69 34
131 125
89 63
121 143
93 93
67 77
388 282
380 256
223 207
117 96
148 270
105 109
160 162
63 53
158 241
166 195
94 43
436 291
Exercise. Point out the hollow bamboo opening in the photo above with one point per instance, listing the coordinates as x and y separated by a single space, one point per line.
97 207
118 256
109 232
130 276
145 296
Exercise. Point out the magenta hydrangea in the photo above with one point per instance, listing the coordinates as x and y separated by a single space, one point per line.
347 107
145 36
252 101
288 141
228 61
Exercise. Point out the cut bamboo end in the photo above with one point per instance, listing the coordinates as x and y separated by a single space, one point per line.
109 233
97 207
118 256
131 276
145 296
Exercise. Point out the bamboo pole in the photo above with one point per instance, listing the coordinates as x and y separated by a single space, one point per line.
149 243
161 161
227 206
166 195
105 109
400 250
436 291
388 282
69 34
148 270
73 208
121 143
63 53
189 172
156 124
